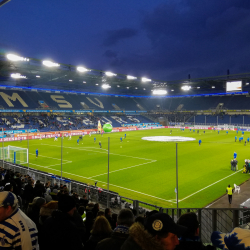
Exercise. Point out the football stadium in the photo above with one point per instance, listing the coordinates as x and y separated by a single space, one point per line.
134 143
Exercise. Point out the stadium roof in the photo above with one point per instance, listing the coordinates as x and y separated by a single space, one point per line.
66 77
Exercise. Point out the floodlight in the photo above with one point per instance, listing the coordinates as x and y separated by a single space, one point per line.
17 76
96 84
172 89
16 58
198 87
144 79
38 76
186 87
50 64
110 74
144 89
82 69
118 86
127 87
84 82
159 92
70 80
213 87
131 77
106 86
136 88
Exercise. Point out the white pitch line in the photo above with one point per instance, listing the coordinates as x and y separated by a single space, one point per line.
102 152
124 168
210 185
109 184
52 158
45 167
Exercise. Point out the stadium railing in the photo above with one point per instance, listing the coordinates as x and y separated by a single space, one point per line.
211 219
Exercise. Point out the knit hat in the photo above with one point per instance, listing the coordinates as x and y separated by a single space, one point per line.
66 203
238 239
38 201
7 199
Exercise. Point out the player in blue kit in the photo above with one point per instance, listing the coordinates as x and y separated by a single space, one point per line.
227 132
218 131
125 136
94 140
78 141
235 155
235 138
121 139
36 152
199 142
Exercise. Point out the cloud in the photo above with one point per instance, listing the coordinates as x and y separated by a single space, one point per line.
114 36
110 54
203 38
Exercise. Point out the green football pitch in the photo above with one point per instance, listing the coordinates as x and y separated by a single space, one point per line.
146 170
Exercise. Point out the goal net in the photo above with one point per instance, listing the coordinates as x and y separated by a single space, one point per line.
14 154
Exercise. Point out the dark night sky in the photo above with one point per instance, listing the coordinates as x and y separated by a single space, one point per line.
163 40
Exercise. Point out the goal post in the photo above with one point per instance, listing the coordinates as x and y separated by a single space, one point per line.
14 154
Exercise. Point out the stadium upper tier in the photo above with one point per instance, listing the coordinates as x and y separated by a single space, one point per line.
17 99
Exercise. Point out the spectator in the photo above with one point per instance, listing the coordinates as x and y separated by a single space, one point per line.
89 223
100 213
124 220
59 231
160 232
28 194
95 209
53 194
17 230
190 240
101 230
108 215
34 210
39 189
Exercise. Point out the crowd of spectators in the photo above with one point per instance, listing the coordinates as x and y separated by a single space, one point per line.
34 215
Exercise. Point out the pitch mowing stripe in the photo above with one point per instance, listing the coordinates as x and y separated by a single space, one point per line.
105 183
52 158
99 152
123 168
210 185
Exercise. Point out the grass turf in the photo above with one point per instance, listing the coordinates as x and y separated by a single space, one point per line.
146 170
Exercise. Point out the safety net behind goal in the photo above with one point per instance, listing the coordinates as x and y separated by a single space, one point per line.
14 154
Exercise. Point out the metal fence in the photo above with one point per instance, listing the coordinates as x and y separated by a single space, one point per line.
219 219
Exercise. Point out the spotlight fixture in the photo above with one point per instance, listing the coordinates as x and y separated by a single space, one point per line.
213 87
82 69
110 74
106 86
144 79
131 77
159 92
16 58
50 64
186 87
17 76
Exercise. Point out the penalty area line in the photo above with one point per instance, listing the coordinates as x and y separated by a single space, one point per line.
123 168
210 185
106 183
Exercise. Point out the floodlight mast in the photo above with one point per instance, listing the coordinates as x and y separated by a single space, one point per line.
4 2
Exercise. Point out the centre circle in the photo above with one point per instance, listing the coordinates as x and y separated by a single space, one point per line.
168 138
